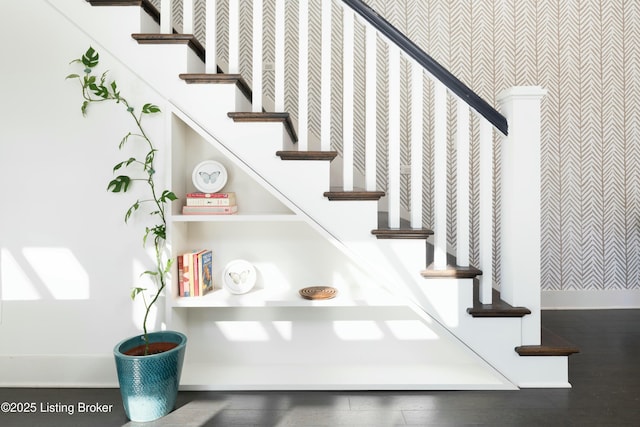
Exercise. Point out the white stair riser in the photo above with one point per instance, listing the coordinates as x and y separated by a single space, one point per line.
447 299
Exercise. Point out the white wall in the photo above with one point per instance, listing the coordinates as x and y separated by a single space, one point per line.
67 259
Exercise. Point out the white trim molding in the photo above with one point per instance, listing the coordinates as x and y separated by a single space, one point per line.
591 299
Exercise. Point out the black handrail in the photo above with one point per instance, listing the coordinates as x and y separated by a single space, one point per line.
430 64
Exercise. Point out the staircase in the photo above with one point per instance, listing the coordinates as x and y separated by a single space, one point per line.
369 225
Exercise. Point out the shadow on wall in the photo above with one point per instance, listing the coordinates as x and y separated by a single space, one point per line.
42 274
57 274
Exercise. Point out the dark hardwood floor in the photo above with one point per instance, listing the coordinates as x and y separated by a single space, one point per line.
605 376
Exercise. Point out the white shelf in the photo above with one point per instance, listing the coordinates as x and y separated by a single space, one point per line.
454 374
240 217
286 298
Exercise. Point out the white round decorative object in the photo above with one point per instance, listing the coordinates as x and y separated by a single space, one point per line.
209 176
239 277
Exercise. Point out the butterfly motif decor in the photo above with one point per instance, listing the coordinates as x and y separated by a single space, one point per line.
239 277
209 176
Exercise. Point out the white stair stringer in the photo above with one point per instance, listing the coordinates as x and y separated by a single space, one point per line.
347 223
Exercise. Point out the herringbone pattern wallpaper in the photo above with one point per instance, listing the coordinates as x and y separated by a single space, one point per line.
585 52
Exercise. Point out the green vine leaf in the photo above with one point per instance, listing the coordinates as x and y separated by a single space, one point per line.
124 140
158 231
89 81
168 266
167 196
146 234
72 76
131 210
85 104
136 291
150 109
119 185
100 90
125 163
114 89
150 156
90 58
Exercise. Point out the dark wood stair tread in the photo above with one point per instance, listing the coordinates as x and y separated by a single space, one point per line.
266 117
384 231
551 345
339 194
146 5
219 78
116 2
307 155
497 308
451 271
188 39
402 233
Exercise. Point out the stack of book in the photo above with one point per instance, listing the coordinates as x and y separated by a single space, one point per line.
210 204
195 273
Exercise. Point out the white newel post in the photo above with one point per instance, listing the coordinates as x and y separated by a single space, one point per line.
520 198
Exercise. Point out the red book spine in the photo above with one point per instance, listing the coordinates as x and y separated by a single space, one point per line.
185 276
196 274
210 195
180 275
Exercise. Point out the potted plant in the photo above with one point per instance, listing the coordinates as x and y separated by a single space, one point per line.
148 365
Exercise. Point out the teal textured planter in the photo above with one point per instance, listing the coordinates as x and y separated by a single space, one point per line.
149 384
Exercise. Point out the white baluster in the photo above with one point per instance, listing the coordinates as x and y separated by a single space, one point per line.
440 176
256 105
393 191
166 16
234 36
485 234
347 99
417 98
325 79
187 16
211 65
303 75
462 189
279 56
371 108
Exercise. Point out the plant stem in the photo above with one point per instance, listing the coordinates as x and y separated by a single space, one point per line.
96 90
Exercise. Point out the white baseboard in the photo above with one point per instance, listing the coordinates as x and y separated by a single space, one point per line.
96 371
590 300
65 371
